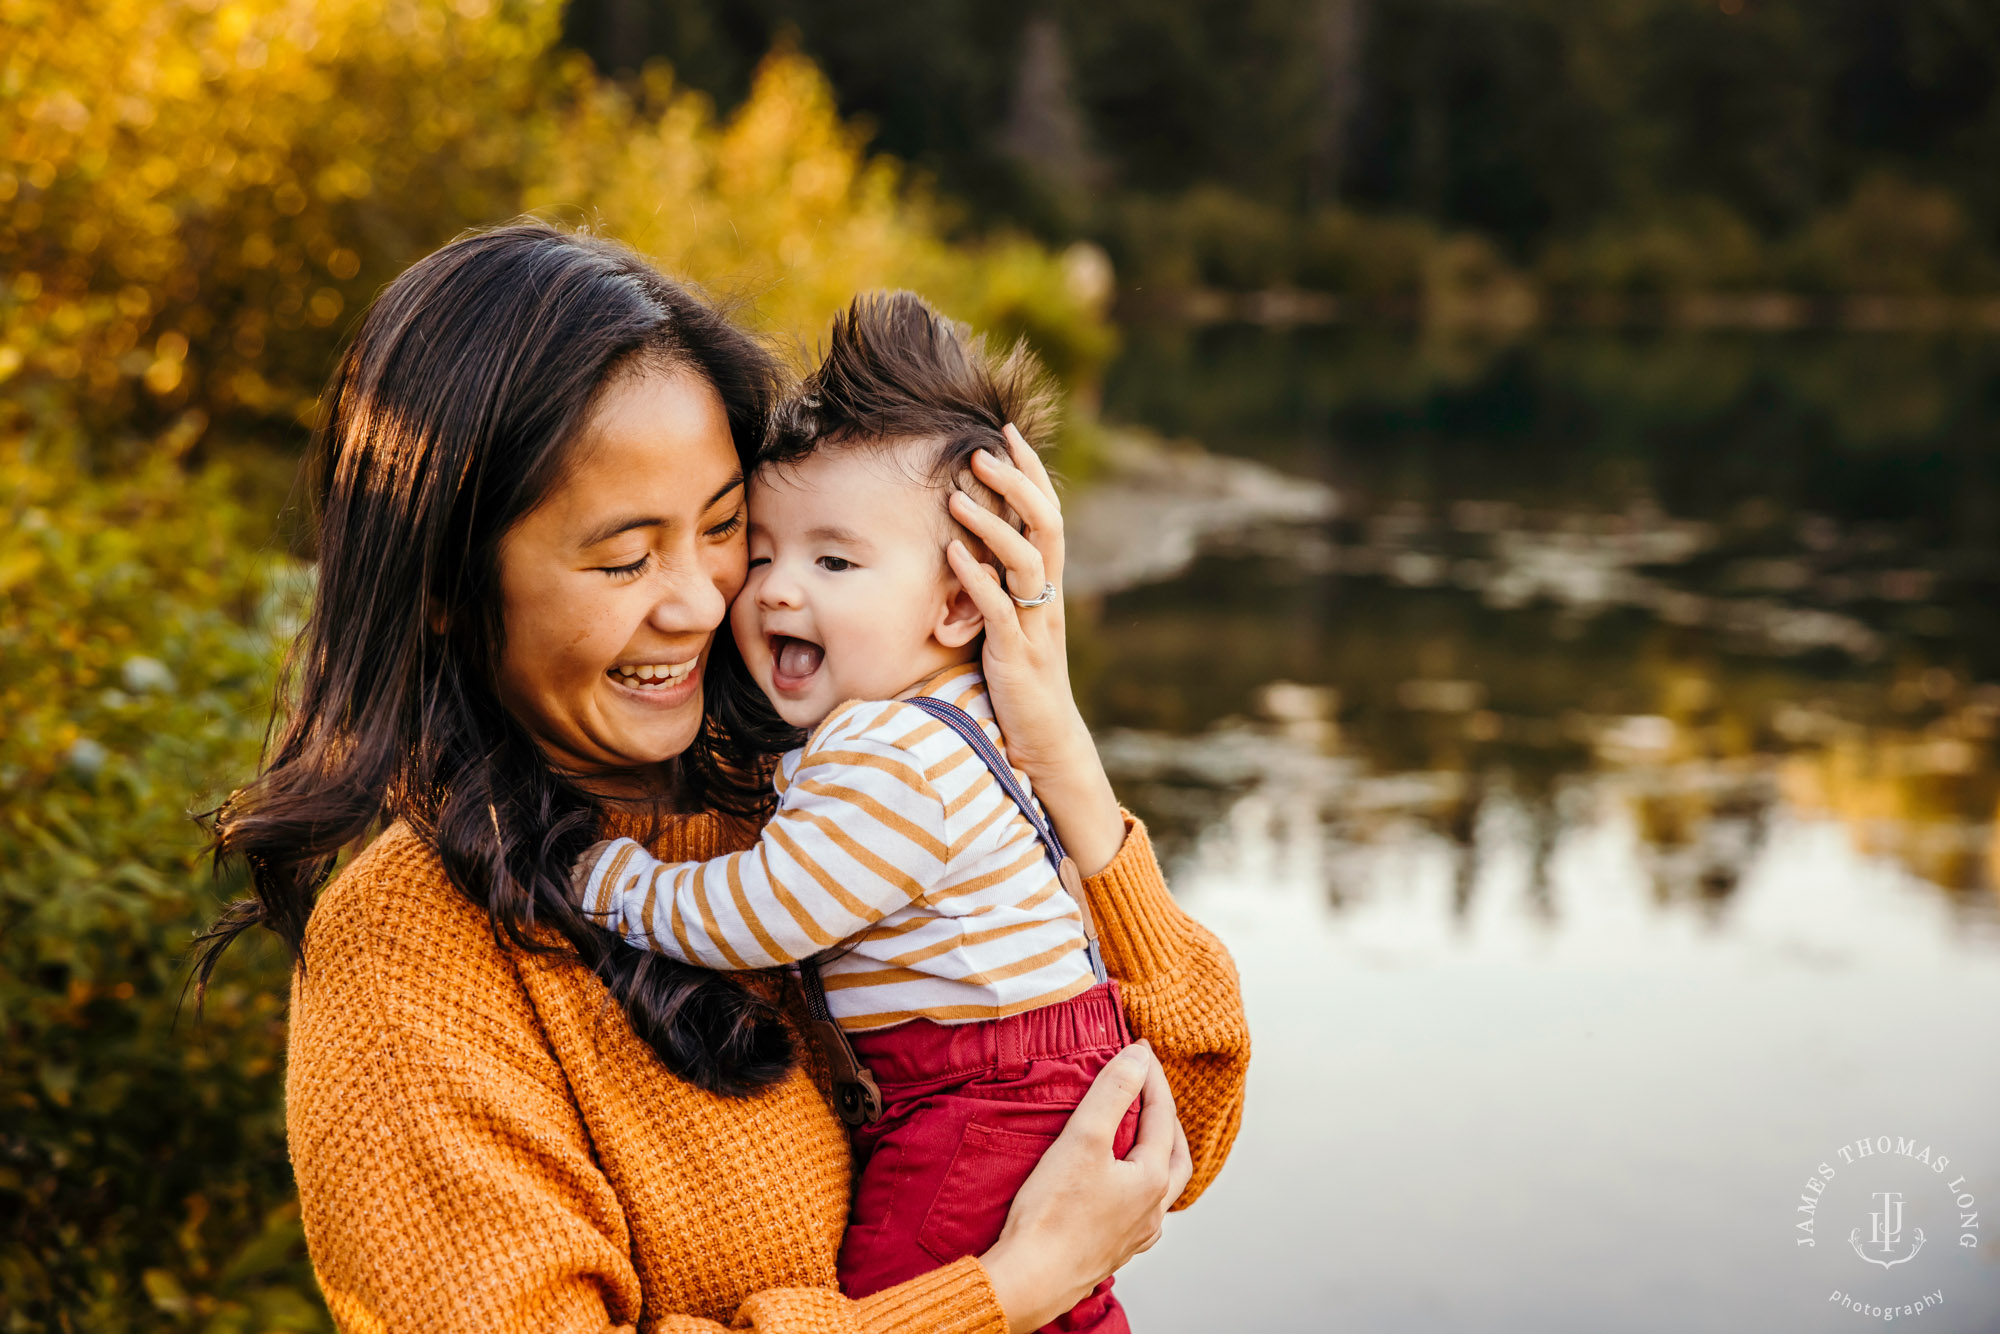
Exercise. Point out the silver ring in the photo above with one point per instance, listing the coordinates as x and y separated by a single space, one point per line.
1048 596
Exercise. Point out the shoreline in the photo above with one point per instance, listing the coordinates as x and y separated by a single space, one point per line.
1157 504
1518 307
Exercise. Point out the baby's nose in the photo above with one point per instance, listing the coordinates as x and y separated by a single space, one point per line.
777 588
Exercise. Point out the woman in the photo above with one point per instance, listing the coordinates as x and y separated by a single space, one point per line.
531 481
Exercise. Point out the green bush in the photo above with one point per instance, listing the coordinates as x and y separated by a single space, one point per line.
1374 258
142 1161
1893 238
1208 237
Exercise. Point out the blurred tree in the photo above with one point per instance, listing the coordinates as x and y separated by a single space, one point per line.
1045 132
1538 123
1180 92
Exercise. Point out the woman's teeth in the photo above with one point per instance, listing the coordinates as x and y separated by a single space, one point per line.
654 675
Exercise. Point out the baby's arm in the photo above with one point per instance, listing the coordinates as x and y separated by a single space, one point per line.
858 834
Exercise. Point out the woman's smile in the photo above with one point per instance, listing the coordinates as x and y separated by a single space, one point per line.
657 685
653 678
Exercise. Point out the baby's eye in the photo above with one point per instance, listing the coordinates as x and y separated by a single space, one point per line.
755 561
835 564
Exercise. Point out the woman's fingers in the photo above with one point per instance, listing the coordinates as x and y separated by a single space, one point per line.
1026 481
1026 569
1028 461
1040 513
1158 1120
1161 1145
1159 1129
1082 1213
1110 1096
976 577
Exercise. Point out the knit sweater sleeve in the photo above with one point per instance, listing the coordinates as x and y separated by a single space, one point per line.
446 1176
1181 994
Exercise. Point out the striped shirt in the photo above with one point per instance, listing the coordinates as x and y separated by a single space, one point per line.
893 842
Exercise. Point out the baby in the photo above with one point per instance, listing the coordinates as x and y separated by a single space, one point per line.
941 934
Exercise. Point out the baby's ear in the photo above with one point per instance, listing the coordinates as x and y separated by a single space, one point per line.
960 621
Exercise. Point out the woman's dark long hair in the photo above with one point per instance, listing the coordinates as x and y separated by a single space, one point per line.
447 420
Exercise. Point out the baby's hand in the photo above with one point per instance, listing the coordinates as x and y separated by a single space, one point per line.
586 865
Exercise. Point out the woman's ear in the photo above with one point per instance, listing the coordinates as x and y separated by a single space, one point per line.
960 622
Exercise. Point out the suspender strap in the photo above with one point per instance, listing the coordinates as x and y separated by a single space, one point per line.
963 723
856 1096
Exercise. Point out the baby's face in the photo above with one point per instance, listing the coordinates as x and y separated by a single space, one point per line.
849 595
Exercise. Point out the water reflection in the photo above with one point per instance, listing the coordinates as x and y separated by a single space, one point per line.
1675 838
1564 555
1704 719
1602 807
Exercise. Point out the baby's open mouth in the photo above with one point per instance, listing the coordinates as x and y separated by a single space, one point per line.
793 660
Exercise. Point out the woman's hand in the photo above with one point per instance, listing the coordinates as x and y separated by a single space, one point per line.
1026 657
1083 1213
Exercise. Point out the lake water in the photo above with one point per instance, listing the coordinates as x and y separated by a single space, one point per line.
1601 811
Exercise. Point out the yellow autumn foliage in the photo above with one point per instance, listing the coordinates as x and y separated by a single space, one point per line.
781 207
196 196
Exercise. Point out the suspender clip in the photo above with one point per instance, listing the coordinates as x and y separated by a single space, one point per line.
856 1096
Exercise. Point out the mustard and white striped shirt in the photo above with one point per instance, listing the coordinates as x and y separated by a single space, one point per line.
893 841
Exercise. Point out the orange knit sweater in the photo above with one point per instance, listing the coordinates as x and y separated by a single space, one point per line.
482 1143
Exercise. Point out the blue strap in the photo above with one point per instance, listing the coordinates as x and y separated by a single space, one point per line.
963 723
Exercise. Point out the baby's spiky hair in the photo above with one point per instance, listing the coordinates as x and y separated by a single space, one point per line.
896 371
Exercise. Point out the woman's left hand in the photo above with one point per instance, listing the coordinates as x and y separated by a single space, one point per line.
1026 657
1084 1212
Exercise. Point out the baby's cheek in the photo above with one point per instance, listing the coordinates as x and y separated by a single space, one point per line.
874 643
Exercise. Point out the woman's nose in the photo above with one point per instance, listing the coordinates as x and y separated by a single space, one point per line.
692 604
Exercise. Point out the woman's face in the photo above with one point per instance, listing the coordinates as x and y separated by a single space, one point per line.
612 588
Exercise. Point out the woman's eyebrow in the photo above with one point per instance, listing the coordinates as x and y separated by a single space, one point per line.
605 532
611 528
724 490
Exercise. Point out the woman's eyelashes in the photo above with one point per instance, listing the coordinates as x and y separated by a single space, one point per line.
728 528
631 571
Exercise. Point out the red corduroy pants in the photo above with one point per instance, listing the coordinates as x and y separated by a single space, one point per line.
967 1112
